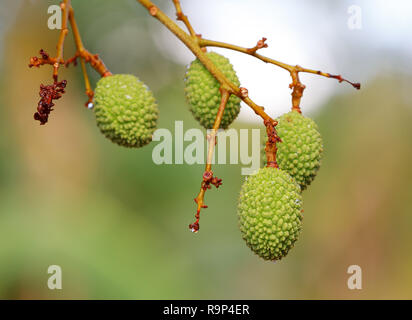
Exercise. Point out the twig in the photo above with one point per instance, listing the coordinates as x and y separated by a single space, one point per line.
58 59
208 177
89 90
182 17
94 60
288 67
65 5
271 143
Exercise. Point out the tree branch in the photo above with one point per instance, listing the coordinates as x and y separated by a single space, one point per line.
288 67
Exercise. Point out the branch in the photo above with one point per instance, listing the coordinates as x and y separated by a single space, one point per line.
58 59
64 31
288 67
208 177
180 16
193 46
93 59
271 144
85 57
45 105
296 85
89 90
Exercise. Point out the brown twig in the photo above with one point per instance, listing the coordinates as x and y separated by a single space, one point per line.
208 177
271 143
288 67
260 45
58 59
298 88
182 17
93 59
296 85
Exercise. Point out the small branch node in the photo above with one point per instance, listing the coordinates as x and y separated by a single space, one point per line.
260 45
153 10
244 92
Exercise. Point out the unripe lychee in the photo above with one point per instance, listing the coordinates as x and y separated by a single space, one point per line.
269 213
301 149
125 109
203 94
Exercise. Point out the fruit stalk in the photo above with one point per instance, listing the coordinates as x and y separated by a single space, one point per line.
271 143
82 52
208 177
65 5
86 56
182 17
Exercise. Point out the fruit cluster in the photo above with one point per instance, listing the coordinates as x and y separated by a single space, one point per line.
270 202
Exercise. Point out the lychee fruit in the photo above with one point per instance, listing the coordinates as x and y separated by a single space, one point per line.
269 212
126 111
203 94
301 149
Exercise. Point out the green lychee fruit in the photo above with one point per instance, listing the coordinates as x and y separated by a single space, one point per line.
125 109
301 149
202 92
269 212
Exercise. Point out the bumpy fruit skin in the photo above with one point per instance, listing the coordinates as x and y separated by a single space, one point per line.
269 212
300 152
125 109
202 92
301 149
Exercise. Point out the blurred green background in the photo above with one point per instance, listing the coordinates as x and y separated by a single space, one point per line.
117 223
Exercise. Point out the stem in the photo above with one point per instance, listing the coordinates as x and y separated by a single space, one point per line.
208 174
288 67
182 17
225 97
271 144
65 5
87 85
297 92
94 60
212 43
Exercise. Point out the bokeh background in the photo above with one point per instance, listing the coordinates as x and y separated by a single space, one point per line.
117 223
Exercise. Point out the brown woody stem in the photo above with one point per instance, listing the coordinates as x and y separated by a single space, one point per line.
89 90
65 5
94 60
271 143
288 67
208 177
182 17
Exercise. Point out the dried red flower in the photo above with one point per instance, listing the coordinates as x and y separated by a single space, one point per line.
48 93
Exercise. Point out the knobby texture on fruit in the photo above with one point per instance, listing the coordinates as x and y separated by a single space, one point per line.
300 152
125 109
203 94
269 213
